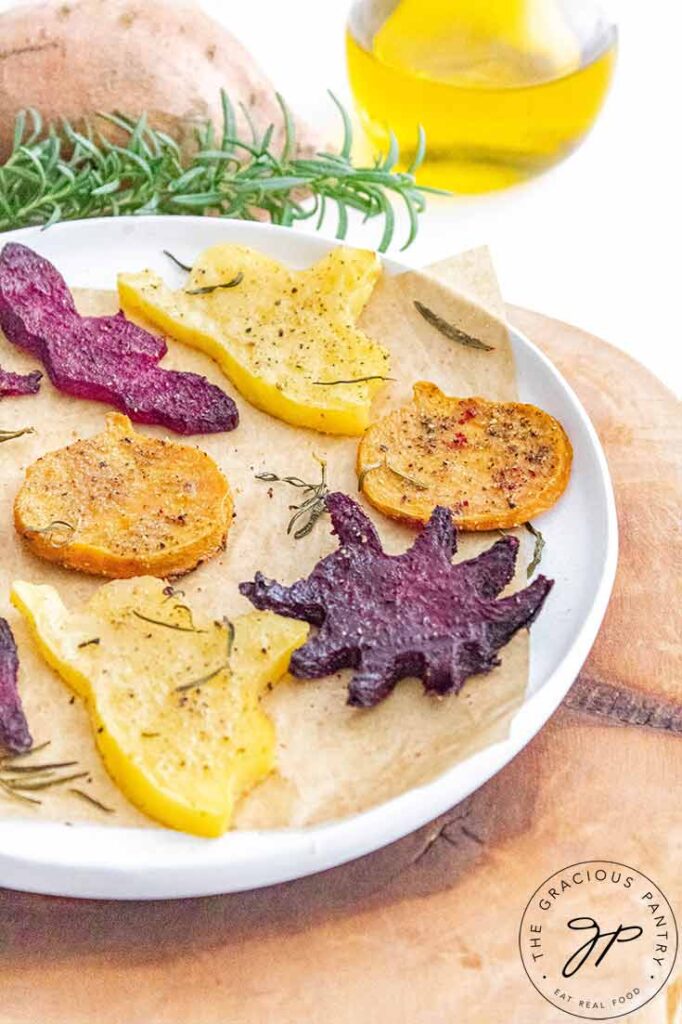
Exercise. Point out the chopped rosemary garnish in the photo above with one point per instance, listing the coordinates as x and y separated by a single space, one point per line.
537 550
310 510
449 330
90 643
195 684
55 526
9 435
176 261
207 289
91 800
56 173
17 780
149 735
385 464
169 625
356 380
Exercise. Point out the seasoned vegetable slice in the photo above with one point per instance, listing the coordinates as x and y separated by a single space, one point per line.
174 699
14 734
287 339
15 384
121 504
493 464
392 616
105 358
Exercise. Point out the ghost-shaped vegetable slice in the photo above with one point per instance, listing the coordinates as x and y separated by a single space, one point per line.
174 700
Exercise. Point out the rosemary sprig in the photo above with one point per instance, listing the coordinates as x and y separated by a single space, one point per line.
57 173
18 780
9 435
314 506
449 330
176 261
537 550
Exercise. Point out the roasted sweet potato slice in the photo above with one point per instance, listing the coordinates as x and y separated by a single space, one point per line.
121 504
494 464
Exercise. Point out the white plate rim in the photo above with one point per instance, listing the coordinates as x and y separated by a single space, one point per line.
83 861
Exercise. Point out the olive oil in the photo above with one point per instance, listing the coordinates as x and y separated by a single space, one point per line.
503 88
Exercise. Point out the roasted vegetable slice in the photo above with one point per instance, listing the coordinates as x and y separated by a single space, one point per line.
105 358
16 384
174 700
121 504
493 464
286 339
392 616
14 734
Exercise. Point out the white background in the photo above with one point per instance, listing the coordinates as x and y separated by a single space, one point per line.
596 241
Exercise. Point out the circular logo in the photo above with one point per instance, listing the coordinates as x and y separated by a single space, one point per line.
598 939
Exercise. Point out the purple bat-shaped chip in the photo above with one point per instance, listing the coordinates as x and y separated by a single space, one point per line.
14 734
392 616
14 384
105 358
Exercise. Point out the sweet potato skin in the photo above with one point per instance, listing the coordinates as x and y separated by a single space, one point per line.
169 60
494 464
121 504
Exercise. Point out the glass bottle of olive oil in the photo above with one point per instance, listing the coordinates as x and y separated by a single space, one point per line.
503 88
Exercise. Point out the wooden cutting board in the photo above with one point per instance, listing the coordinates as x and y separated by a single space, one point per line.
425 931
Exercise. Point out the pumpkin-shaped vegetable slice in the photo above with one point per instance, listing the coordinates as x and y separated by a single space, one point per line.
174 700
287 339
493 464
121 504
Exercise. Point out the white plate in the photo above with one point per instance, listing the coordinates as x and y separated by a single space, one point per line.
581 553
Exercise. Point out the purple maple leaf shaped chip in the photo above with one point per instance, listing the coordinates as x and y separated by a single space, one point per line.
14 734
105 358
391 616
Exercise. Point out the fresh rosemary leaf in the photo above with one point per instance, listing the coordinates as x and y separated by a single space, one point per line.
537 550
449 330
209 288
55 173
9 435
168 625
396 472
356 380
176 261
91 800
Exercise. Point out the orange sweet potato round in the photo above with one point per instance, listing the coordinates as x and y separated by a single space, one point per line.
494 464
121 504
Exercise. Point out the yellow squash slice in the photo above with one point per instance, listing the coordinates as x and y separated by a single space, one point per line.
494 464
174 701
280 335
121 504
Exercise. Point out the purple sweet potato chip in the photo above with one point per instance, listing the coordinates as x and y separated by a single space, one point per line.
392 616
14 734
105 358
15 384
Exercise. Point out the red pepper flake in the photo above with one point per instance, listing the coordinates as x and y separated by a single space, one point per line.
458 441
468 413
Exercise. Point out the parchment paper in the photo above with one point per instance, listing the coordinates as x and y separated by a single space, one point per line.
332 760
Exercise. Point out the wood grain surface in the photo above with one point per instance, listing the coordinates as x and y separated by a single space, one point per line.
425 931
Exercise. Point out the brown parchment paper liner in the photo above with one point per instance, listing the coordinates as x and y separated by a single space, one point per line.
332 760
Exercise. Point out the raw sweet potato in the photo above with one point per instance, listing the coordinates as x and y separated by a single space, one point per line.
120 504
494 464
72 58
